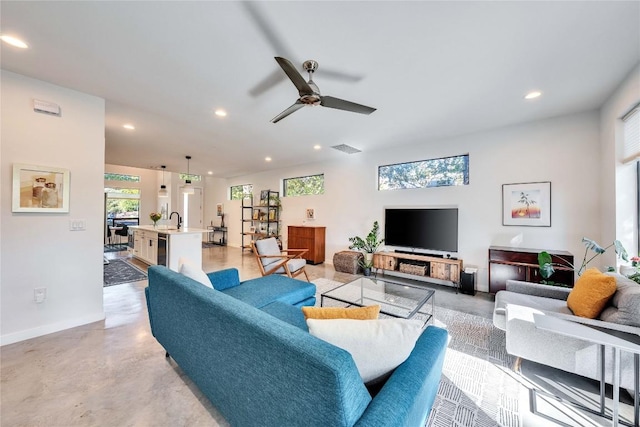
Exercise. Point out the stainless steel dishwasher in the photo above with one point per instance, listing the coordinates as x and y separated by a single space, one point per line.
162 249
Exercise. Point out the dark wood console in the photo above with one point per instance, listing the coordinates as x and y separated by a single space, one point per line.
506 263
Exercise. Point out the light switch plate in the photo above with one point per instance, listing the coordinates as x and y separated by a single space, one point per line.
77 224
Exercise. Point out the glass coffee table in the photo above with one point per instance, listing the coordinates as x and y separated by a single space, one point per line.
395 299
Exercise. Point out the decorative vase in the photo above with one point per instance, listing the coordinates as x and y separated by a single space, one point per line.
49 196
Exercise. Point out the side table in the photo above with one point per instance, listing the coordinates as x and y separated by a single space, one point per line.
619 341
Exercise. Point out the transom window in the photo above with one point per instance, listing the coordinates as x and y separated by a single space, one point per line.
238 192
184 177
121 177
445 171
304 185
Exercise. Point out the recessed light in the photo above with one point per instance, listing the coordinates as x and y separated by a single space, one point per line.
317 147
267 159
221 113
13 41
129 126
533 95
210 172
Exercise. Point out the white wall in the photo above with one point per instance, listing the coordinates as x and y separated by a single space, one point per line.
563 150
38 250
618 184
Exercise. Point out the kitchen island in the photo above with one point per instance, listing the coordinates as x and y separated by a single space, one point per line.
165 245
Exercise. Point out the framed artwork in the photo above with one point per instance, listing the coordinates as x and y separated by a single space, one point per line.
219 209
527 204
40 189
311 214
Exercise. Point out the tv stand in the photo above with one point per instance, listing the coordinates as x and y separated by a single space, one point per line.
419 267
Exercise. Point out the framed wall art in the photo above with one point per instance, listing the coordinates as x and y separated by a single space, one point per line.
527 204
40 189
219 209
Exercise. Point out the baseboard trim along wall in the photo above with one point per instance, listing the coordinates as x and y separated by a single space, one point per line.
49 329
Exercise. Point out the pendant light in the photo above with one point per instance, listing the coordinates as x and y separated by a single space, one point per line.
188 188
163 188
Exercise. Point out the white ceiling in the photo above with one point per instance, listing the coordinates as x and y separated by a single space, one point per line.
432 69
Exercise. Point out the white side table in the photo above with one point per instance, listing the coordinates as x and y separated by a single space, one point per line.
619 341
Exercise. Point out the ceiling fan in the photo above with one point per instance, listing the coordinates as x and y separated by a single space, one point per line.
280 48
310 94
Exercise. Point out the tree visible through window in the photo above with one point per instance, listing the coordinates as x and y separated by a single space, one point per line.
304 185
239 191
121 177
445 171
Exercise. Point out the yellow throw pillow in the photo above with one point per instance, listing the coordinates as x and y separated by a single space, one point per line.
358 313
591 293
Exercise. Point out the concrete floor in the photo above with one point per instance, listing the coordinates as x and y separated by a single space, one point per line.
114 373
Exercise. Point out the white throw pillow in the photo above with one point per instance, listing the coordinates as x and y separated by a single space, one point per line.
193 272
377 346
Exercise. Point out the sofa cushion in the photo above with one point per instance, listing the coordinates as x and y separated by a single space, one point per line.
625 303
264 290
194 272
591 293
287 313
358 313
377 346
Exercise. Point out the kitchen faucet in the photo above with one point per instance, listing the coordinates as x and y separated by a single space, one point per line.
179 218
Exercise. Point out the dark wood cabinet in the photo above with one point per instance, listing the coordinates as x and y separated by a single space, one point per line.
311 238
506 263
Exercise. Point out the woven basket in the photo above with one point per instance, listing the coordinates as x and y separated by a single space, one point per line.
347 262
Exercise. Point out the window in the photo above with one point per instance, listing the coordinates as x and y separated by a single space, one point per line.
237 192
304 185
631 123
123 205
192 178
445 171
121 177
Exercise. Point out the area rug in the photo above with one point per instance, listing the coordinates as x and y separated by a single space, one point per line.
477 387
119 271
115 248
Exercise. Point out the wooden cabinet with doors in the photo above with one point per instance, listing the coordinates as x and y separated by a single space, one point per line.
311 238
506 263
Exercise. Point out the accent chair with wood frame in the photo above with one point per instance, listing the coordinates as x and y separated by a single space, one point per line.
272 260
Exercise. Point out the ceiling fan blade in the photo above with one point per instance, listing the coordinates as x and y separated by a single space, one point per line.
299 82
341 104
295 107
267 83
267 29
338 75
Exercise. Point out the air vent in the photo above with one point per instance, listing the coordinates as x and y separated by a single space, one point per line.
46 108
346 149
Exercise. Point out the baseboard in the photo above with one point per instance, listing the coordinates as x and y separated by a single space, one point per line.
49 329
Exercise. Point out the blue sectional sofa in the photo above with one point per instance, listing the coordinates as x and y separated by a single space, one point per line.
247 347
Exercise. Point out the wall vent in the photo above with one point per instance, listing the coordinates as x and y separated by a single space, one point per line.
45 107
346 149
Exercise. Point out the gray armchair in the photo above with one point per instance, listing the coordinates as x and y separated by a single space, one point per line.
513 313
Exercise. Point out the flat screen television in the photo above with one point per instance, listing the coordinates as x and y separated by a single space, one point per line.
430 229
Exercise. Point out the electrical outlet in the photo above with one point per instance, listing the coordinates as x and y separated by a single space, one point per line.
39 295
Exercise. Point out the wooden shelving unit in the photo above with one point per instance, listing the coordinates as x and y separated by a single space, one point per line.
262 220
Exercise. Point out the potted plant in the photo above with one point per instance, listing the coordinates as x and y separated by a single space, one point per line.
546 263
369 244
366 266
